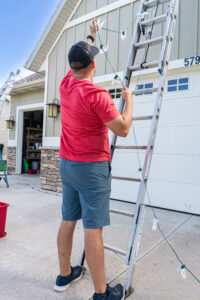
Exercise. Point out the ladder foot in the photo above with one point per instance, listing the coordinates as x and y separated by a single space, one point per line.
129 292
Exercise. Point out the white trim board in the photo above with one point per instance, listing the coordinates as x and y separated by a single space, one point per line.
173 65
19 130
12 143
51 142
45 98
90 16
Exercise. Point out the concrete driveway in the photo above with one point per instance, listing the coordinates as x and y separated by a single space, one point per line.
28 254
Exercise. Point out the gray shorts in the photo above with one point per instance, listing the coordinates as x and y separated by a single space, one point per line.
86 192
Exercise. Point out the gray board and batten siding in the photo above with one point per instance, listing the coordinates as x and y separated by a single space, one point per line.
186 43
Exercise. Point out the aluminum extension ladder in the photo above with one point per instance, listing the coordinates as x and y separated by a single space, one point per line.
162 64
7 87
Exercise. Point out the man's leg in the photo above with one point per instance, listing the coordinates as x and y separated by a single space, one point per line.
94 251
64 242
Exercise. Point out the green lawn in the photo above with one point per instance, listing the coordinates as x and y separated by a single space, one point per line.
5 164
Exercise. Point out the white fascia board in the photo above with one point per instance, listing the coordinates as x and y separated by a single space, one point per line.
43 66
89 16
45 33
28 84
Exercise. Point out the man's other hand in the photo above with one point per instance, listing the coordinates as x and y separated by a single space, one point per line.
93 28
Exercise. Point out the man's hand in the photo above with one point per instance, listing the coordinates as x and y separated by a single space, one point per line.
126 94
121 125
93 28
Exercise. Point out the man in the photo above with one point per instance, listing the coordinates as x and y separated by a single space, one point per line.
87 111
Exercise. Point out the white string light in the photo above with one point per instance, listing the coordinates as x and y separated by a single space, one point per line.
100 24
183 271
116 80
155 224
141 17
123 34
103 49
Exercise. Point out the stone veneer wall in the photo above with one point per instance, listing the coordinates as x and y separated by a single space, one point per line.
50 176
11 160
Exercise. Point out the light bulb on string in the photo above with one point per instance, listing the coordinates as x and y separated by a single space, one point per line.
139 171
103 49
123 34
182 270
100 24
141 17
155 224
149 34
116 79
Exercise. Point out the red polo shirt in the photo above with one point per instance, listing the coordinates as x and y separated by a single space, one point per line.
85 108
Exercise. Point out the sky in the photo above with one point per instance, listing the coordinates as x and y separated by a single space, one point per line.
21 25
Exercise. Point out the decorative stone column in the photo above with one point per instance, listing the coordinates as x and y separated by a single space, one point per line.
50 176
11 160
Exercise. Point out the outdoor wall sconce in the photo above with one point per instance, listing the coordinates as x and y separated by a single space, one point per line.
54 108
10 123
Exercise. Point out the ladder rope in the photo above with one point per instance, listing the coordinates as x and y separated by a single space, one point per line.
183 266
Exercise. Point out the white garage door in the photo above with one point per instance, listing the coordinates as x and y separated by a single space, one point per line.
174 180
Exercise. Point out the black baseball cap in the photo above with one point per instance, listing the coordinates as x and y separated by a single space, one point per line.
82 53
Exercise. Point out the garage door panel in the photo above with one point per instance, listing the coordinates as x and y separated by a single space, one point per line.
178 140
175 196
175 168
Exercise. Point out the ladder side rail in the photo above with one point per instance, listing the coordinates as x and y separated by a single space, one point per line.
145 171
82 256
141 192
172 11
148 155
132 49
158 104
129 277
172 30
143 183
127 72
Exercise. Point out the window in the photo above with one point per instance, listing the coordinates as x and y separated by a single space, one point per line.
180 84
115 93
144 86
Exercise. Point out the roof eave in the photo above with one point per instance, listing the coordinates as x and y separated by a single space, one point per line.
36 84
28 64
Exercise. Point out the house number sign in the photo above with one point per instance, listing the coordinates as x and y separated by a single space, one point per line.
193 60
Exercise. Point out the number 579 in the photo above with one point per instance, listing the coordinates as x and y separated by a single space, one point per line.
189 61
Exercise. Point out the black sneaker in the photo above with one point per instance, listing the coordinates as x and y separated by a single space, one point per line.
113 293
63 282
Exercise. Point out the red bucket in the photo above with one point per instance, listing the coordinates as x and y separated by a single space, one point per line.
3 213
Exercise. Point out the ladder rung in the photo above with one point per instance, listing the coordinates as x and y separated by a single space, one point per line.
156 20
150 4
123 213
126 178
151 42
147 65
145 91
114 249
131 147
142 118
